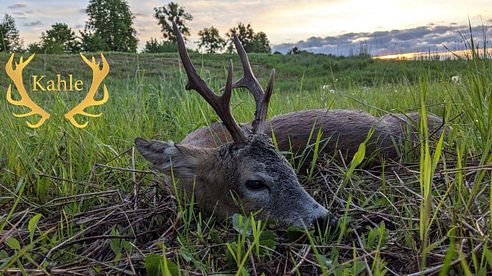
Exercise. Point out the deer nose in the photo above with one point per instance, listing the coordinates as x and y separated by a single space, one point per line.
323 222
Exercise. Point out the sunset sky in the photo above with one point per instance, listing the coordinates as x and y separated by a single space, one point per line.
331 26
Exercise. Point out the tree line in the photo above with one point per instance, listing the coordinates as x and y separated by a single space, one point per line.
110 28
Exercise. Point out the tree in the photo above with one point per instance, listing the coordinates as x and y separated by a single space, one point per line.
59 39
34 48
245 34
296 51
170 13
110 27
210 40
92 42
154 46
9 35
260 43
252 42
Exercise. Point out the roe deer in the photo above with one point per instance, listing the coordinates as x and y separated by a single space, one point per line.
228 161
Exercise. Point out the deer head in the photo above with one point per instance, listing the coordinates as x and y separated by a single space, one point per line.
246 175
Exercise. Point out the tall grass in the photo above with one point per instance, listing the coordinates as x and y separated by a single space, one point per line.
428 163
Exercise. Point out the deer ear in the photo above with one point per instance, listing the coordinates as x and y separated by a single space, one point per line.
169 157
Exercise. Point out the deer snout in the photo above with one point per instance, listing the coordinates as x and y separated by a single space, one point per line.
321 218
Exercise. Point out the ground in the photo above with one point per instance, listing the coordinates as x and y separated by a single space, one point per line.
84 201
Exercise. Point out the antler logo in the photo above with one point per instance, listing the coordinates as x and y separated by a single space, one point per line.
15 74
98 74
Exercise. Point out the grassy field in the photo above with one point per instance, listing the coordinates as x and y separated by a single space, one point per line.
83 201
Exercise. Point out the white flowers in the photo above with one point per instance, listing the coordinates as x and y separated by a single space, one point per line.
456 79
329 88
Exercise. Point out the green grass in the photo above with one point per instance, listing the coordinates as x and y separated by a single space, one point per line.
82 200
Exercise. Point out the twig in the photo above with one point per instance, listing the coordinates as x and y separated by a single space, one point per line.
124 169
134 178
303 258
60 245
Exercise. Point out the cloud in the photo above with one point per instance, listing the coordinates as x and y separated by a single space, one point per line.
33 23
140 15
430 37
82 11
17 6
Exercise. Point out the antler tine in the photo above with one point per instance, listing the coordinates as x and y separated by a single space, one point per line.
220 104
250 82
260 118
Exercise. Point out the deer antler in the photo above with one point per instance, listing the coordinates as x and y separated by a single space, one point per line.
249 81
219 103
98 75
16 76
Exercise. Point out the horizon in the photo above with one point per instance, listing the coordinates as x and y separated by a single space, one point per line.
332 27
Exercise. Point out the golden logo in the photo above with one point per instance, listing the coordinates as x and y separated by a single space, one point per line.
16 76
98 74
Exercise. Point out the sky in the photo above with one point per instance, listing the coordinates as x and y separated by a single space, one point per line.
330 26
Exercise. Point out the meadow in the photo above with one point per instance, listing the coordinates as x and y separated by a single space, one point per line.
83 201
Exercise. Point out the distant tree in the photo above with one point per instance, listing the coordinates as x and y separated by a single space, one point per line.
151 46
210 40
154 46
9 35
252 42
245 34
59 39
110 27
34 48
295 51
260 43
170 13
92 42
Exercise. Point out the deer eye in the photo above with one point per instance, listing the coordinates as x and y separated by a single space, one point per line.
255 185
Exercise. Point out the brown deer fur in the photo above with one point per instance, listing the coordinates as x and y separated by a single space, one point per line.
342 130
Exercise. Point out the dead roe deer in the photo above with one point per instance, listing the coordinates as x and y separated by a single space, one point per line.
235 168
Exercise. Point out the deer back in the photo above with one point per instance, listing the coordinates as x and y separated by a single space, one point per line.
341 130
